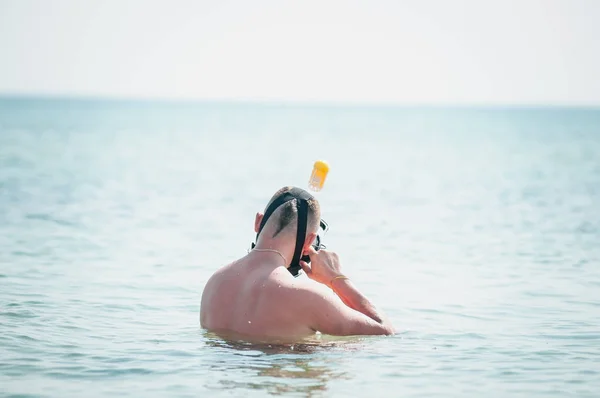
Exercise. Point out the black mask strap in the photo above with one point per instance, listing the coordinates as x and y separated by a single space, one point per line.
301 232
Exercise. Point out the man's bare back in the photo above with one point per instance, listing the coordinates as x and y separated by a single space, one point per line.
257 297
263 301
253 300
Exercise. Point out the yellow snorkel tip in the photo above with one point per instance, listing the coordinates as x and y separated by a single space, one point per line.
318 175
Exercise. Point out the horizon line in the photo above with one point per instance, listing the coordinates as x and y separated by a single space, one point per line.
291 102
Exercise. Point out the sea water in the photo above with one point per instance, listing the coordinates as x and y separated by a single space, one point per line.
476 230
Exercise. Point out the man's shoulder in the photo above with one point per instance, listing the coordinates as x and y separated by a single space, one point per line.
308 291
222 277
224 270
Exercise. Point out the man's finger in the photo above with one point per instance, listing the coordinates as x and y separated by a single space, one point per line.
311 251
305 267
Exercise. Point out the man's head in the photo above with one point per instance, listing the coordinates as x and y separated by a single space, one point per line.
284 220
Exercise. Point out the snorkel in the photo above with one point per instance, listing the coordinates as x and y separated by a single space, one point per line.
315 183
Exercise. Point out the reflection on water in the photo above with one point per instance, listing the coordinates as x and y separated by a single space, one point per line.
303 368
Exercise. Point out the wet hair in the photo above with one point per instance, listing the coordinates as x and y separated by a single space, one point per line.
286 215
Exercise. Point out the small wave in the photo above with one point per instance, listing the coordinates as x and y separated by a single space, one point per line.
46 217
24 314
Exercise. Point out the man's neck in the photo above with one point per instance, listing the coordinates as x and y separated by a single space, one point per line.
285 249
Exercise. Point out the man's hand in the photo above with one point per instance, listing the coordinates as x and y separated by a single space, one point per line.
324 266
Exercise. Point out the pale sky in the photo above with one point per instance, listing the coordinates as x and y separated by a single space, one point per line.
422 51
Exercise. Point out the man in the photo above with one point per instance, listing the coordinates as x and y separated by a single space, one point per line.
258 296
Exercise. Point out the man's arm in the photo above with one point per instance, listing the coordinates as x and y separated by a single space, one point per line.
345 314
337 307
354 299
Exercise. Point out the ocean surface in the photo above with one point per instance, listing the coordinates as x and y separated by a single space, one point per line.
476 230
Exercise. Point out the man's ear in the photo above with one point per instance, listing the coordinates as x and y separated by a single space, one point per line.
310 239
257 221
